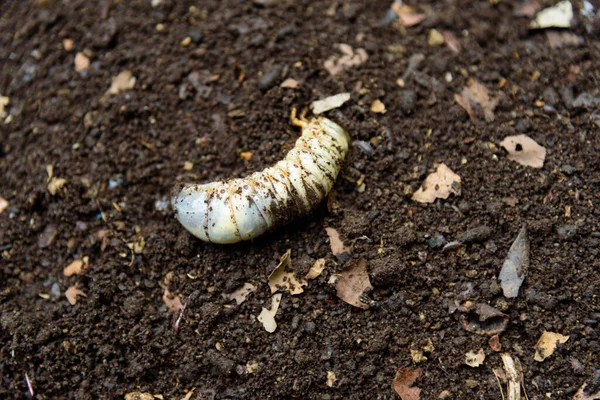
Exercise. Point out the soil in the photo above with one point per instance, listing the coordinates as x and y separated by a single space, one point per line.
207 99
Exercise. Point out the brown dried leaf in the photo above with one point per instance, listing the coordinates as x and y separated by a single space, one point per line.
316 269
407 15
72 293
76 267
494 343
475 99
524 150
405 378
352 283
515 266
173 304
451 41
482 319
267 317
337 245
438 185
122 82
475 359
547 344
55 185
282 279
240 294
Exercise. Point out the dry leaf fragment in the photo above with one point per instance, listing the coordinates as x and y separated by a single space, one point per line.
138 245
515 266
482 319
451 41
252 367
281 279
514 376
289 83
3 204
173 304
475 98
81 62
139 396
417 356
378 107
267 317
438 185
349 58
188 395
589 390
475 359
316 269
329 103
122 82
240 294
330 378
407 15
72 293
246 155
559 16
352 283
76 266
524 150
405 378
4 101
337 244
494 343
55 185
547 344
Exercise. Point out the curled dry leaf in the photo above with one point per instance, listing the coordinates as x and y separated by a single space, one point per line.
267 317
349 58
482 319
316 269
122 82
240 294
407 15
72 293
524 150
3 204
405 378
289 83
475 359
547 344
352 283
476 99
55 185
172 303
337 245
515 266
329 103
282 279
330 378
438 185
559 16
76 266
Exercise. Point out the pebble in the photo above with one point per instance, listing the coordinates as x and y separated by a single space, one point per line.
567 232
270 78
568 169
550 96
365 147
285 31
407 100
586 100
195 36
435 38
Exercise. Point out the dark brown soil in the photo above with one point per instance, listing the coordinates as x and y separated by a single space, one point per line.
122 154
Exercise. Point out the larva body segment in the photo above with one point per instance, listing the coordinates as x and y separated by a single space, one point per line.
242 209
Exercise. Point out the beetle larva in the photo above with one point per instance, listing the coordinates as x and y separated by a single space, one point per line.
242 209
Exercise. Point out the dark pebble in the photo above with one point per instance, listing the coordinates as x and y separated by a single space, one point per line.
196 36
478 234
408 99
270 78
550 96
285 31
568 169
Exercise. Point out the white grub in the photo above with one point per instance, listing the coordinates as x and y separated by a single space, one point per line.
242 209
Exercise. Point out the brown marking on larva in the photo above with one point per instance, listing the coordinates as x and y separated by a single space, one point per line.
231 210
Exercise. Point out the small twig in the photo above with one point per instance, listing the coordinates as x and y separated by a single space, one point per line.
29 384
176 324
499 385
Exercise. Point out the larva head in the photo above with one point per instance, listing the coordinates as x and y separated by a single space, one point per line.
191 208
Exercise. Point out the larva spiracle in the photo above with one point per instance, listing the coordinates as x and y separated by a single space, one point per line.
242 209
